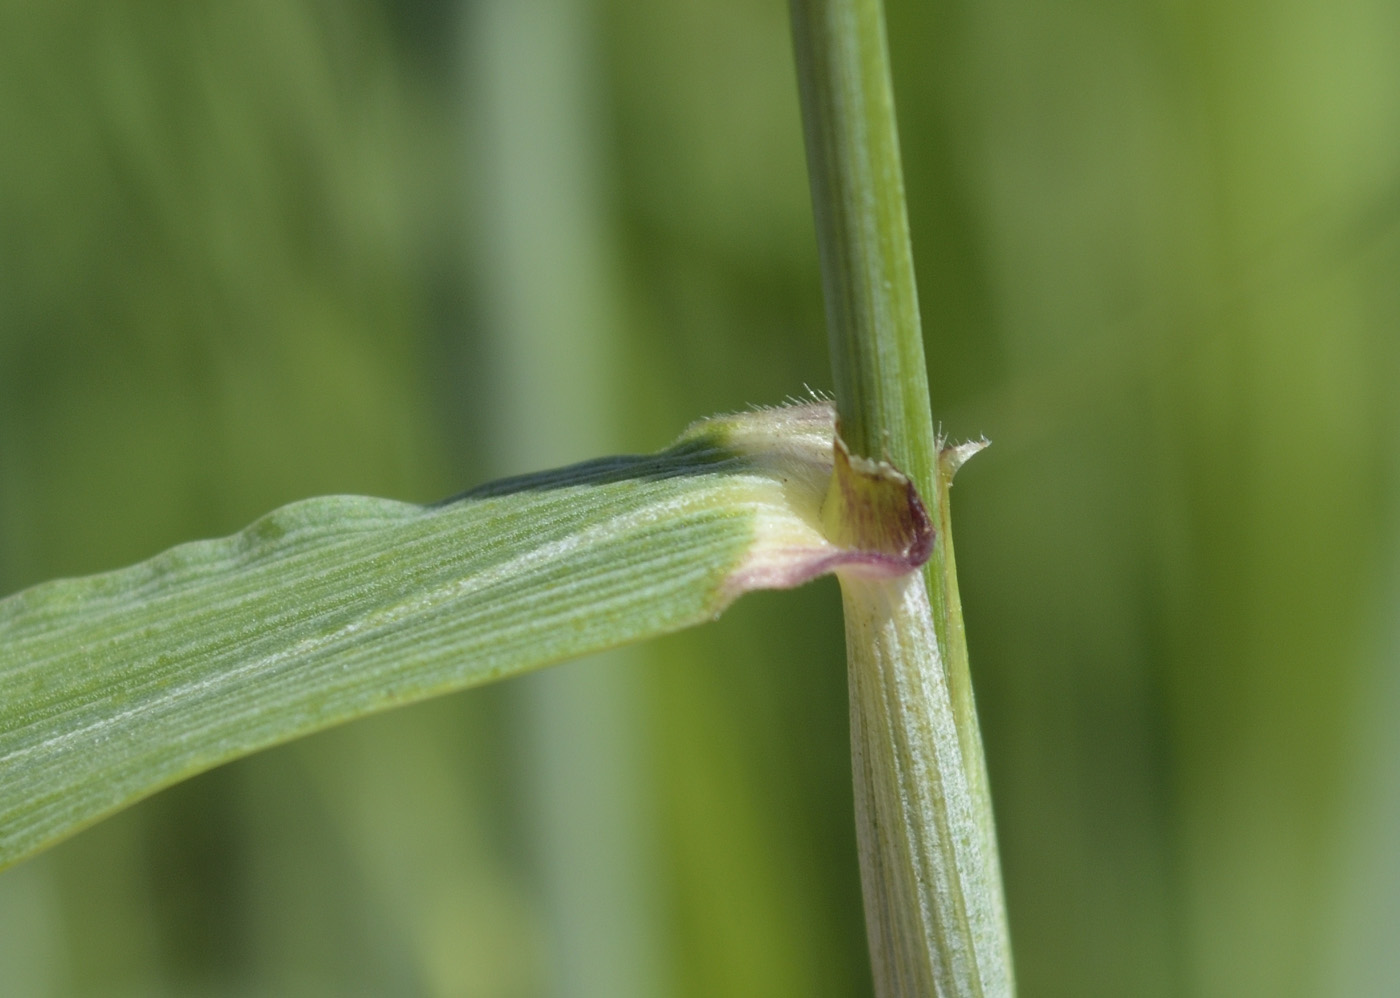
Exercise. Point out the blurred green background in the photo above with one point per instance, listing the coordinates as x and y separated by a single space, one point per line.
254 250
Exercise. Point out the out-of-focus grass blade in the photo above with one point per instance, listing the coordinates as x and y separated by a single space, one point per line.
116 685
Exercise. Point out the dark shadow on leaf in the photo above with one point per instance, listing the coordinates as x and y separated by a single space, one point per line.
689 457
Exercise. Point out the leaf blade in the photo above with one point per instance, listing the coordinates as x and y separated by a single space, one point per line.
114 686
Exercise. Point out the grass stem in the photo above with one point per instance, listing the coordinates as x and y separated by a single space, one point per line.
932 882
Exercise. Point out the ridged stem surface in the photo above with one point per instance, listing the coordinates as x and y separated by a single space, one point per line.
932 881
